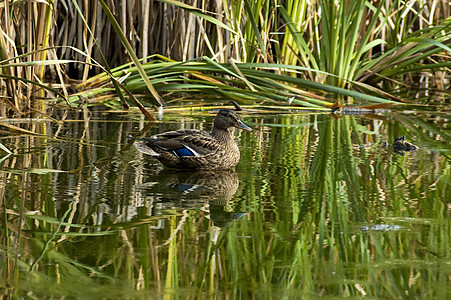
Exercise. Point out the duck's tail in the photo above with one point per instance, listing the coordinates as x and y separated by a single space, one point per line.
143 147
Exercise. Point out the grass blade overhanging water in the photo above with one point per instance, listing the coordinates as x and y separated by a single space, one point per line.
351 53
132 54
336 54
117 85
331 40
412 50
208 77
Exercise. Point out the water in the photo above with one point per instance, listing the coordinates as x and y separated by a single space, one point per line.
319 206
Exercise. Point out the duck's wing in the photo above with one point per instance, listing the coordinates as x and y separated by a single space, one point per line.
185 142
180 133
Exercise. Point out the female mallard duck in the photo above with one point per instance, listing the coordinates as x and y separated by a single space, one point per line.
196 149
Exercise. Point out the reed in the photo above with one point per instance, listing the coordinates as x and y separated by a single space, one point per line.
24 54
332 41
327 43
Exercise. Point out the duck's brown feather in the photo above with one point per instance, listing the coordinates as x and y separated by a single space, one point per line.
196 149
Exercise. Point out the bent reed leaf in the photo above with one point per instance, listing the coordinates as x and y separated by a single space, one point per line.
132 54
374 45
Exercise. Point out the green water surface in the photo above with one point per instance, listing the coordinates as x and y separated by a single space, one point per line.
318 207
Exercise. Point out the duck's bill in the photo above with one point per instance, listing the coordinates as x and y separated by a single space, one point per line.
243 126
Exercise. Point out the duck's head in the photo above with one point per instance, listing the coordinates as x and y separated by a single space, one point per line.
227 118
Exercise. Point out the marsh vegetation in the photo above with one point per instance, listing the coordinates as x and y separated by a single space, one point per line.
320 205
257 52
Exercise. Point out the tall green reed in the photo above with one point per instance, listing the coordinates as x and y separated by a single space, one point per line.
342 44
354 39
345 44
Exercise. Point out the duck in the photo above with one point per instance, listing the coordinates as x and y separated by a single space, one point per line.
196 149
400 145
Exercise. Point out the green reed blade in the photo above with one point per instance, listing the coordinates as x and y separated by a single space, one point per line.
131 53
255 28
199 13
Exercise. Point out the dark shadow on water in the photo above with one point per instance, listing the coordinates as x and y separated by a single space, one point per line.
176 189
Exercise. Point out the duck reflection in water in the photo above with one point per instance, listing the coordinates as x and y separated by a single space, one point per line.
400 146
192 190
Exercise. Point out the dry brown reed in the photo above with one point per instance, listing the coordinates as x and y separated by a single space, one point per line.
179 30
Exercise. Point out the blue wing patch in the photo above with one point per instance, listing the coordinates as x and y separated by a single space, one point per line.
184 152
184 187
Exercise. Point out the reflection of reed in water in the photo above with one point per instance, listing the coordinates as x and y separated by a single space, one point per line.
191 190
